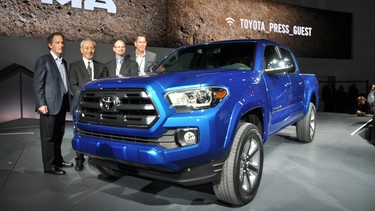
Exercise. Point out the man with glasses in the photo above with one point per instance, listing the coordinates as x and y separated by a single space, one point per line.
121 64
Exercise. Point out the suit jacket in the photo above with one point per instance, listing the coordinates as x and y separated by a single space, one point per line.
150 60
79 76
128 67
48 85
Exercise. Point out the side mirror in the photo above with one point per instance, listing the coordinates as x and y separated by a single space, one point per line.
279 66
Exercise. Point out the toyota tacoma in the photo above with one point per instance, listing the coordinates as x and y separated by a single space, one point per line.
202 116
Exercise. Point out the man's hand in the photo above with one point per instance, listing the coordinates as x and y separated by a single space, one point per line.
43 109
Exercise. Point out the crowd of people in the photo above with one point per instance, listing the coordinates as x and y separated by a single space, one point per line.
351 102
56 88
346 102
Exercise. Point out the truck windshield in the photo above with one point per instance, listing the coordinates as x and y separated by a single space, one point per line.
238 56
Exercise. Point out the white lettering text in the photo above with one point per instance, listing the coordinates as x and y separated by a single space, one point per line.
252 24
302 31
279 28
109 5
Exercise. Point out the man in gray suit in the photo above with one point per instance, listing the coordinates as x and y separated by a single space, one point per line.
121 64
146 59
82 72
51 90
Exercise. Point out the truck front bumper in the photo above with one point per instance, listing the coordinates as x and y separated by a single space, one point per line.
191 176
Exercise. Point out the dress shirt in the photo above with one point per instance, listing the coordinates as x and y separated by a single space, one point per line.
62 70
141 62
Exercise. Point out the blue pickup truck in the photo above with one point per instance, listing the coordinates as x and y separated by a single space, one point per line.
202 116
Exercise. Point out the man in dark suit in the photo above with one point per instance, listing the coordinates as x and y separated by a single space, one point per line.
146 59
82 72
51 90
121 64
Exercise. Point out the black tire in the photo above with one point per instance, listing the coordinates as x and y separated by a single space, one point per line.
306 127
109 172
242 170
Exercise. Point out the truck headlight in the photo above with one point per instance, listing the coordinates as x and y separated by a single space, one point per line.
193 99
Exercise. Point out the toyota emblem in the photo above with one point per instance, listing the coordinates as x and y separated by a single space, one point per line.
109 103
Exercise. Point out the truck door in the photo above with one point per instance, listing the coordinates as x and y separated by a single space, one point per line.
279 90
297 87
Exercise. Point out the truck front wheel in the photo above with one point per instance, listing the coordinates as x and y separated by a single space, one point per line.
242 170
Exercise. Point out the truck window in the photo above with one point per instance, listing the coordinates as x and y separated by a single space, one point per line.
238 56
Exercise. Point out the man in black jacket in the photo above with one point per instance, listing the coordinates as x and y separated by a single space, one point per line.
82 72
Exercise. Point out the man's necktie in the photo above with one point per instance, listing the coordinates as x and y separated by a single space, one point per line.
89 70
118 66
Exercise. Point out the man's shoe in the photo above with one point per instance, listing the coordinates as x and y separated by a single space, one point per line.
65 165
54 171
79 164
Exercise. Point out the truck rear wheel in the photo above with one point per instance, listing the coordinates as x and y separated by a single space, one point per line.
306 127
242 170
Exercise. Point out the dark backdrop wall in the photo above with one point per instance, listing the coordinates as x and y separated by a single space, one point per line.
311 33
22 32
179 22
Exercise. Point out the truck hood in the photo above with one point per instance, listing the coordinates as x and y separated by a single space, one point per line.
168 80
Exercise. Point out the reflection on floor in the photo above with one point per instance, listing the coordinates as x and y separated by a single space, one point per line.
334 172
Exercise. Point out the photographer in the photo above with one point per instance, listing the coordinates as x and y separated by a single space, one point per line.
371 101
371 98
363 107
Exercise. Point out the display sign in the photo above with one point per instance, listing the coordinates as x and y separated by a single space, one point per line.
273 27
308 32
311 33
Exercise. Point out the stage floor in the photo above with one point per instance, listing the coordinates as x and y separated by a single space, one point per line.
334 172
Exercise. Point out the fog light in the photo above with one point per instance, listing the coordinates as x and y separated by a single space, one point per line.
75 126
187 136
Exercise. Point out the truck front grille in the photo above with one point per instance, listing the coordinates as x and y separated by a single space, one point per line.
117 107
